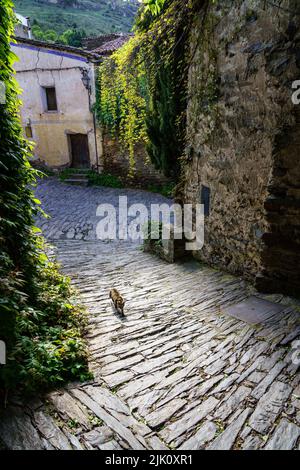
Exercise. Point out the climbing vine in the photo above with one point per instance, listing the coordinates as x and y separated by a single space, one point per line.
122 104
39 323
142 87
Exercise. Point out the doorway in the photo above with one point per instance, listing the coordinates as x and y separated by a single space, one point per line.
80 157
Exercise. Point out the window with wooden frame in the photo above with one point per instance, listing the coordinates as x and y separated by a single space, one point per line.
50 99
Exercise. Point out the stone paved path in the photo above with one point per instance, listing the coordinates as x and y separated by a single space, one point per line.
177 373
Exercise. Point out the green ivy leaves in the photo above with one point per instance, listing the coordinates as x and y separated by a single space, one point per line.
40 324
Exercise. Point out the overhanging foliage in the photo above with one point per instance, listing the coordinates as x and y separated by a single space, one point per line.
38 322
143 86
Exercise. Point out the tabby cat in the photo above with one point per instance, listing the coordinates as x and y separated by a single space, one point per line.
117 300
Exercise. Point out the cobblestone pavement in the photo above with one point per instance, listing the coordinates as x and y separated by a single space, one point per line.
177 373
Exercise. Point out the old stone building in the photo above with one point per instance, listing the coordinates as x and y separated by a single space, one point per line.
58 92
243 134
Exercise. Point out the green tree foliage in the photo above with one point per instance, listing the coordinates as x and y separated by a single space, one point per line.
94 16
71 37
37 32
149 11
38 321
50 36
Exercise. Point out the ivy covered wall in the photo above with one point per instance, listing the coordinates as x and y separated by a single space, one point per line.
142 88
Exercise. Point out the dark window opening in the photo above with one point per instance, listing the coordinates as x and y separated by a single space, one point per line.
205 199
51 99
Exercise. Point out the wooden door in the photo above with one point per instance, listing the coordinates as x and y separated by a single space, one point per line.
79 151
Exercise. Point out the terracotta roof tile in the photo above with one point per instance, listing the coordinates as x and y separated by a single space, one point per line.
111 46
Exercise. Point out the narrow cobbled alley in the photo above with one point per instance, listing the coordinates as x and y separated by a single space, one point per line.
178 372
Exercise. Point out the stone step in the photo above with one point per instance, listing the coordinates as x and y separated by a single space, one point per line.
78 176
80 170
77 181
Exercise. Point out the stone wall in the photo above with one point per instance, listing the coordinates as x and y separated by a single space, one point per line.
115 161
243 138
281 254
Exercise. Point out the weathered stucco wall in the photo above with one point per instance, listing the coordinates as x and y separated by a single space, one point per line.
38 68
245 57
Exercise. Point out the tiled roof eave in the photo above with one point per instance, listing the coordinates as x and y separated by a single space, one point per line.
92 55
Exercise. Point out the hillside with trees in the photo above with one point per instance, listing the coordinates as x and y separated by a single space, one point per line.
52 18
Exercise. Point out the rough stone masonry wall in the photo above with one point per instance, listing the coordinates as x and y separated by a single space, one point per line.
115 161
281 254
244 60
